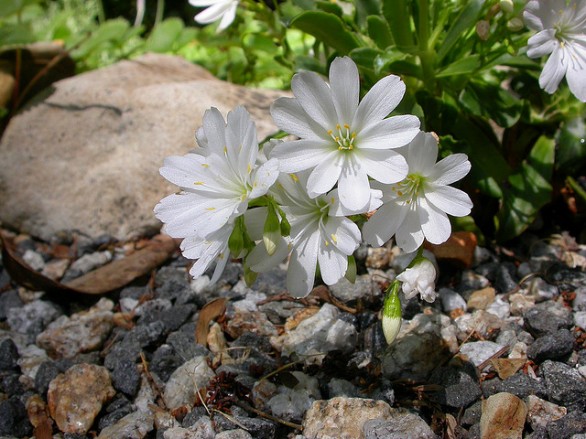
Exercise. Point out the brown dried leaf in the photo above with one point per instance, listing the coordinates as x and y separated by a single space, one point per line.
39 418
105 279
305 313
507 367
211 311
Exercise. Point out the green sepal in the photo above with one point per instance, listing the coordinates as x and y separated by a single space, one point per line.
351 270
272 230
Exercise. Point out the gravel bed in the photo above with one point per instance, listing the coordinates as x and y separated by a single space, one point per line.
500 353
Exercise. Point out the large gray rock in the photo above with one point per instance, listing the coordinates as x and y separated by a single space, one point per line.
85 153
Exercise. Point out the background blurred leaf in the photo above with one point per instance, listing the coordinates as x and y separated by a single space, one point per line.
379 31
571 152
164 35
328 28
529 191
463 24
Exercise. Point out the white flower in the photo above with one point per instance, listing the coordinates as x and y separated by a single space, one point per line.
320 234
416 207
216 187
561 32
224 10
343 141
419 279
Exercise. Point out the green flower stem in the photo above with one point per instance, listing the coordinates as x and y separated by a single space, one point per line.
426 53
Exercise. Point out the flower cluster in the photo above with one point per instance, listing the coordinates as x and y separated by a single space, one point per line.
561 33
297 200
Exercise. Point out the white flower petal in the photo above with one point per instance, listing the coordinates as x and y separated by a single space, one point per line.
289 116
259 260
450 169
434 223
299 155
301 271
378 103
384 224
325 175
343 234
212 13
385 166
576 73
530 16
353 186
422 154
542 43
337 209
345 85
553 72
315 97
228 18
451 200
184 171
264 178
332 264
393 132
409 235
215 130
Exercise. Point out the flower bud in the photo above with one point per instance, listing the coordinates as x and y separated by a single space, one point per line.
515 24
392 313
507 6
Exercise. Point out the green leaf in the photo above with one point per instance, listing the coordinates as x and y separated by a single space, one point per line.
529 191
330 7
327 28
463 24
464 66
491 101
164 35
366 8
379 31
111 31
571 152
351 270
11 7
365 57
15 34
398 15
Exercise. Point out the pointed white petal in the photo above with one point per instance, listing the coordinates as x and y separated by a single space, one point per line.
264 177
325 175
289 116
576 74
215 129
434 223
259 260
409 235
451 200
529 16
390 133
353 186
384 224
343 234
315 97
228 18
345 85
301 271
332 264
553 72
450 169
337 209
183 171
378 103
299 155
422 154
542 43
385 166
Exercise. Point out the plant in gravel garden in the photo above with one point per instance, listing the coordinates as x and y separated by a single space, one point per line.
473 75
263 207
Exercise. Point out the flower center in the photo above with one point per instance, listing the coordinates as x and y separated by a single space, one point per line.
343 137
410 188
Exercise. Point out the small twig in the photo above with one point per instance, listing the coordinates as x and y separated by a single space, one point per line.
497 354
231 419
267 416
151 380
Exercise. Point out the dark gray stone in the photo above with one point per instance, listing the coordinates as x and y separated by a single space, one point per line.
565 386
472 414
10 383
401 426
505 280
13 418
172 283
571 424
8 355
193 416
540 321
46 373
125 377
165 361
133 292
520 385
551 346
460 385
114 416
8 300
